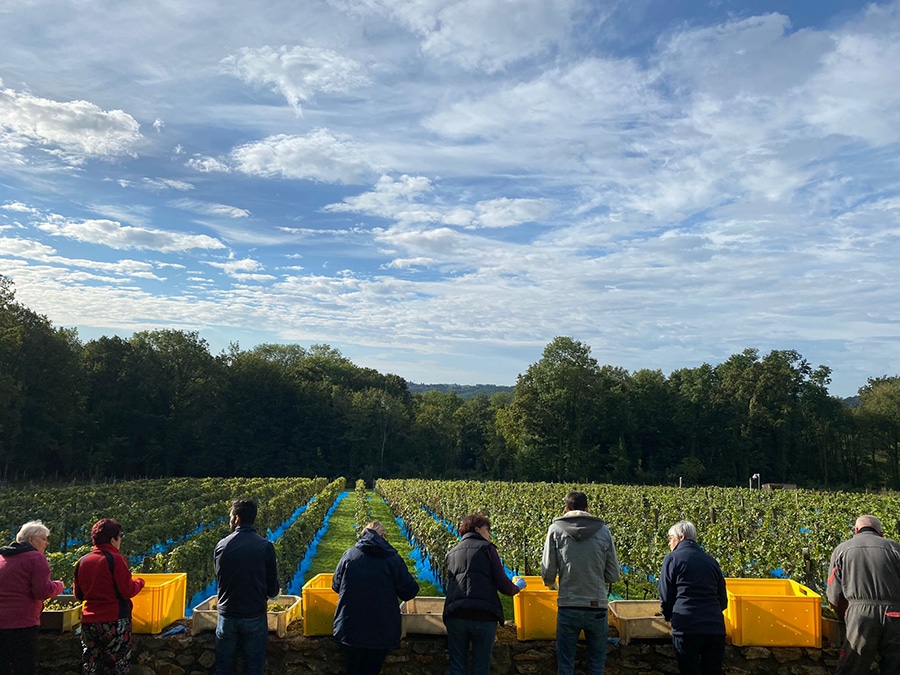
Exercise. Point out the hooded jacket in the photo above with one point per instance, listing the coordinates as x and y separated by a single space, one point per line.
579 552
369 578
24 585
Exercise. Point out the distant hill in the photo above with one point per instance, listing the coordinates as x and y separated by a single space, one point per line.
852 401
462 390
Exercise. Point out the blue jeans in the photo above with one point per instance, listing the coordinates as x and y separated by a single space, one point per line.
569 623
461 633
251 635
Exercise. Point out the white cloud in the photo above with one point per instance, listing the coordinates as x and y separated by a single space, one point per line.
297 73
166 184
208 209
33 250
319 155
246 269
115 235
505 212
18 207
78 129
486 35
207 164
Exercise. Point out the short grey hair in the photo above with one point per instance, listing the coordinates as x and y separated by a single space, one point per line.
377 527
870 521
33 528
683 528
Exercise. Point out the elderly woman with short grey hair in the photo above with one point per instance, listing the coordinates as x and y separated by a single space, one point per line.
24 585
692 597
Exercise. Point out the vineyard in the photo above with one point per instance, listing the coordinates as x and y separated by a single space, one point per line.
172 525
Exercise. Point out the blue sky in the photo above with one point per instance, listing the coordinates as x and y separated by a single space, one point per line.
439 187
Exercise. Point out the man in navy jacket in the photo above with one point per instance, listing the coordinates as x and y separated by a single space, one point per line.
246 576
692 597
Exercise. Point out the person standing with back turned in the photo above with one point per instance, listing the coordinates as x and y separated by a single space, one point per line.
246 576
579 552
864 588
692 597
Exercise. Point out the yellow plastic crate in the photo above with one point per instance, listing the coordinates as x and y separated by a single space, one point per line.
534 611
773 613
318 606
160 602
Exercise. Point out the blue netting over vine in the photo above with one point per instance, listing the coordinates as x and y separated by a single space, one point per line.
295 587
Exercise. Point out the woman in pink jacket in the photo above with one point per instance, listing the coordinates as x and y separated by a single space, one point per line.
24 585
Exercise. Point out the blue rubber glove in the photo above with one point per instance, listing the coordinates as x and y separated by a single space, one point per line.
520 582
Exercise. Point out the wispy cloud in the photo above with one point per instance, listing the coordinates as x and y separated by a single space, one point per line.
296 72
115 235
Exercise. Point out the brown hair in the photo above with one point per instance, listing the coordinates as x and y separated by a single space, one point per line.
105 530
472 523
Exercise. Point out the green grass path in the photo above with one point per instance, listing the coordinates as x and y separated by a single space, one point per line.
341 535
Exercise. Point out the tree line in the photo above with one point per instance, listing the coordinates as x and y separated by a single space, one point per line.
161 404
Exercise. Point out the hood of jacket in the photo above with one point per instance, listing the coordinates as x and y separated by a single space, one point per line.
579 525
372 543
16 548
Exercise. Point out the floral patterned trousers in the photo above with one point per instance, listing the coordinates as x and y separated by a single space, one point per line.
106 647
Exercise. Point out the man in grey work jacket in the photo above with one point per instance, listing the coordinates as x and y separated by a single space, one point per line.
864 588
246 576
579 552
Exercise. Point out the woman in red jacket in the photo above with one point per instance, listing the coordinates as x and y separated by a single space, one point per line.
104 582
24 585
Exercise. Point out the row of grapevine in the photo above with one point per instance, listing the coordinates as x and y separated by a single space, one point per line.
752 533
171 525
291 547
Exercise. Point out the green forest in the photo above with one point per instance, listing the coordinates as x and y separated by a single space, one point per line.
160 404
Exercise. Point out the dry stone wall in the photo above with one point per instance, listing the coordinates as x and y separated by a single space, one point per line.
182 654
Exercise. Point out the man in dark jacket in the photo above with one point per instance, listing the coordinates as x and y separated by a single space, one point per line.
368 580
864 587
246 576
692 597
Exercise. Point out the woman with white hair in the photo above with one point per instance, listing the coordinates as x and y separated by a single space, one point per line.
692 597
24 585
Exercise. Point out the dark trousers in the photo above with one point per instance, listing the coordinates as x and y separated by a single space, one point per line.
360 661
699 654
17 650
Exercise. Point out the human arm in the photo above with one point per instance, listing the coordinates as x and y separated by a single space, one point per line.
128 586
42 587
723 591
338 575
611 566
504 585
667 587
835 590
272 587
549 567
405 585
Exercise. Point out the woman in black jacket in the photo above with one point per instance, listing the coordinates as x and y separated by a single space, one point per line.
369 578
472 607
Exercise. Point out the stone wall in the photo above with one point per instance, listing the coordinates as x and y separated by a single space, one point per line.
182 654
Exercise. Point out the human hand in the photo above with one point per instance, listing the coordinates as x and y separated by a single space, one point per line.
520 582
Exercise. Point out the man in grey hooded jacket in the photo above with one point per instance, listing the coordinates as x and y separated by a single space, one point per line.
580 559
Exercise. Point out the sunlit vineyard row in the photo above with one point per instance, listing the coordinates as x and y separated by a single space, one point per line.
752 533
